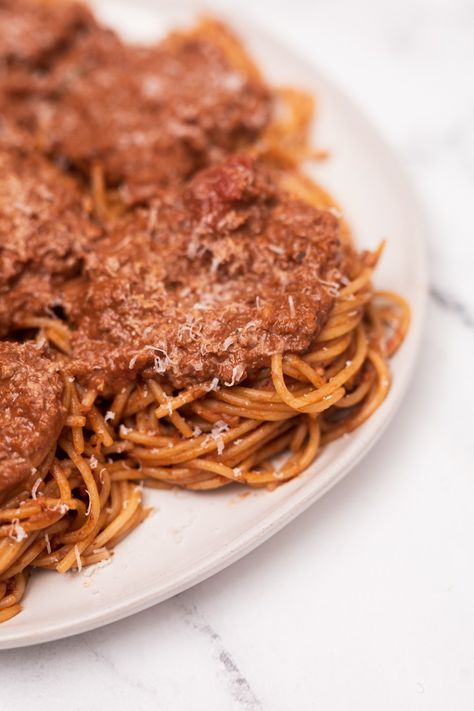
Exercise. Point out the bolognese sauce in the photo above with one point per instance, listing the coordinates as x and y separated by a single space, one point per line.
206 283
45 230
32 413
171 110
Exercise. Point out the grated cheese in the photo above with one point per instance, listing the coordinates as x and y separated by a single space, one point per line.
78 558
109 416
232 81
62 508
132 362
237 372
333 287
216 434
18 534
276 249
215 265
36 486
162 363
214 385
152 218
291 304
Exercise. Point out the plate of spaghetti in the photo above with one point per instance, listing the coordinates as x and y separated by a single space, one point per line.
197 339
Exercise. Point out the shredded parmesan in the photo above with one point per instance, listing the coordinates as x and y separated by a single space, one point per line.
18 534
152 218
215 265
237 372
232 81
162 362
109 416
124 430
291 304
78 558
36 486
196 431
62 508
276 249
227 343
214 385
237 471
194 249
48 543
216 434
132 362
333 287
93 462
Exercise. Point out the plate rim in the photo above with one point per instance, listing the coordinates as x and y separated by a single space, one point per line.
301 500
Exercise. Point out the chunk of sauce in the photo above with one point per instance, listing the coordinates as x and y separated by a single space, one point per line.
170 110
33 33
31 412
44 231
206 283
150 116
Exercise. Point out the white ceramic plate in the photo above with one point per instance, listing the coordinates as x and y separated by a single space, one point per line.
191 536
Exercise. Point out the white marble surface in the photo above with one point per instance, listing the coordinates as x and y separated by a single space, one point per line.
367 600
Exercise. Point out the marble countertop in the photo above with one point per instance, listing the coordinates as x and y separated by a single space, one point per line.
366 601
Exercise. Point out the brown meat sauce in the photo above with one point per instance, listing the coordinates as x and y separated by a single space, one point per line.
44 231
206 284
32 33
31 415
151 117
171 110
